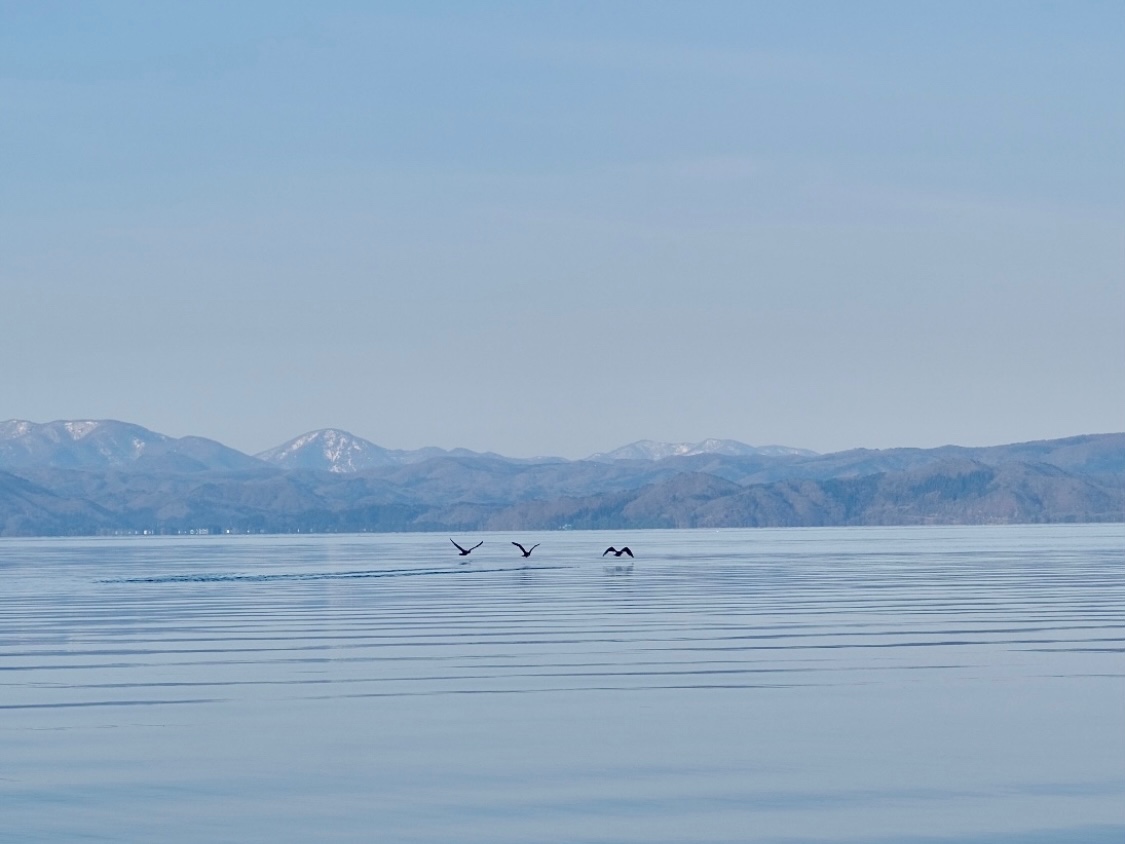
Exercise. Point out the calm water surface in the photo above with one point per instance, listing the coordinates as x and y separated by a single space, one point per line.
823 685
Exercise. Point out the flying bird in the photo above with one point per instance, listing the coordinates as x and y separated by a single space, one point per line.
526 551
464 552
616 553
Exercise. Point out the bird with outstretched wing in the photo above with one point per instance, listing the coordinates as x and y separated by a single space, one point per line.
464 552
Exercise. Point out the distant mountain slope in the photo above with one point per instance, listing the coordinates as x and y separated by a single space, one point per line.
1102 454
106 443
652 450
947 492
1095 454
27 509
954 491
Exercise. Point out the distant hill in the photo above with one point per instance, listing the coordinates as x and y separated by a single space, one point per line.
87 477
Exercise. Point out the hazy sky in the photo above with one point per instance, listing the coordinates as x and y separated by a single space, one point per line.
555 228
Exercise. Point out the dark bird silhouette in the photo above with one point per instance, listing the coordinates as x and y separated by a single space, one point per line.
526 551
464 552
616 553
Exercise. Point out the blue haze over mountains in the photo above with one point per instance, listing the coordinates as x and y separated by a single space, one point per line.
81 477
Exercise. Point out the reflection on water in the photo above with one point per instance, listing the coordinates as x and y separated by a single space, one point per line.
830 685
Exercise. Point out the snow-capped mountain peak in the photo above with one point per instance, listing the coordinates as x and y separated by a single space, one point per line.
329 450
80 428
652 450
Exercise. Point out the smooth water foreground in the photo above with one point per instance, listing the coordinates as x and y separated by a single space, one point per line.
829 685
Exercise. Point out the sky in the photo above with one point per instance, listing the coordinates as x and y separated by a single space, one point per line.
557 228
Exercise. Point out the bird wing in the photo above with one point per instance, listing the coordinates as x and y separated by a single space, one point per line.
478 545
533 547
607 550
520 547
626 550
459 548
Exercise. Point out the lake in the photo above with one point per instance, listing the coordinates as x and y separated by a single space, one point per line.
929 684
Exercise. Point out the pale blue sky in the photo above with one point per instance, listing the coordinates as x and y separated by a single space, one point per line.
554 228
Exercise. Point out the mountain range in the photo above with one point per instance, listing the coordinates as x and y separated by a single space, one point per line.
83 477
650 450
105 443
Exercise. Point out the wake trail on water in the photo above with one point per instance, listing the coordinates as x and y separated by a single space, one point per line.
341 575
